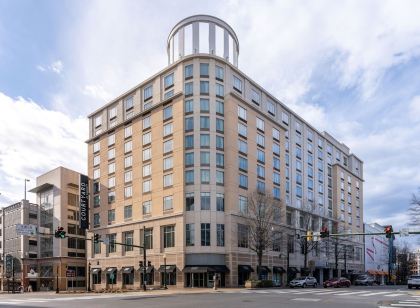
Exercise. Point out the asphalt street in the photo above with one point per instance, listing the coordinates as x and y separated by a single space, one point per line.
319 297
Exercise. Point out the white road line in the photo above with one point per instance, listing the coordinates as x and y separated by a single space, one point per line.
405 305
330 292
394 295
375 293
352 293
303 299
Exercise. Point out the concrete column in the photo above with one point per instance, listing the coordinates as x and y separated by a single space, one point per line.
321 276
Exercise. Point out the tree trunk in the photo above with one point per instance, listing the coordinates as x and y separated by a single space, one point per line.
259 256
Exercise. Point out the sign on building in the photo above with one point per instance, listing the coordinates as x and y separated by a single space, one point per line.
84 202
22 229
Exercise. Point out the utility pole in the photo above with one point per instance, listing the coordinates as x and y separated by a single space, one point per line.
26 180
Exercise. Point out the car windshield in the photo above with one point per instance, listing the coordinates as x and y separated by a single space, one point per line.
362 277
300 278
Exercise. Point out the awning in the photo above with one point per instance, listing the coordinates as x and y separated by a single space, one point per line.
278 270
110 270
169 268
195 269
382 273
293 270
263 269
149 269
372 272
127 269
219 268
245 268
95 270
41 187
205 269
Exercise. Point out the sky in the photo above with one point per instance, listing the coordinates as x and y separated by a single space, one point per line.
351 68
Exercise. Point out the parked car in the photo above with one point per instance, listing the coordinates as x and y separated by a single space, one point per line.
413 282
337 282
364 280
303 282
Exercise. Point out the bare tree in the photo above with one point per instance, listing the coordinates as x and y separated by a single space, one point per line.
414 210
263 211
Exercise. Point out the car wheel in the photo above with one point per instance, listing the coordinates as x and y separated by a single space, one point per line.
325 286
304 285
348 285
315 285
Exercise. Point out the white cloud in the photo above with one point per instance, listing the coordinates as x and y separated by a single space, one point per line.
55 67
414 109
34 140
97 92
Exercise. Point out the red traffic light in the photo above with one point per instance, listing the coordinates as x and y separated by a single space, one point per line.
388 231
324 232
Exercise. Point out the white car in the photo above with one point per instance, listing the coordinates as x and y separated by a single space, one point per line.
303 282
413 281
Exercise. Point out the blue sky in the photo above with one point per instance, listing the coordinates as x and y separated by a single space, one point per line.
349 67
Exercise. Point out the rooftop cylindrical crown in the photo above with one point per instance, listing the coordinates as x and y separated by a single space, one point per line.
203 34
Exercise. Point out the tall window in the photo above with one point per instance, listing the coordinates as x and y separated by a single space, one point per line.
220 235
204 105
205 200
220 108
219 73
167 203
147 207
188 89
147 92
168 236
167 113
243 236
204 87
242 113
204 123
205 234
237 84
189 201
128 240
189 234
220 202
128 212
168 81
220 90
189 106
205 176
243 204
204 70
188 71
189 124
112 247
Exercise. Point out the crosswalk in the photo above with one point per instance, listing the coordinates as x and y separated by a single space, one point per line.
406 303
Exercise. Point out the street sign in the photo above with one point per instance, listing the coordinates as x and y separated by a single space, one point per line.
316 236
70 273
26 229
111 276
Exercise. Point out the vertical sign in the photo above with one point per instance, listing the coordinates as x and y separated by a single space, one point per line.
84 202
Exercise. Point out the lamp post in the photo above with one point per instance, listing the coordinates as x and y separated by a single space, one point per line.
57 290
164 271
89 264
26 180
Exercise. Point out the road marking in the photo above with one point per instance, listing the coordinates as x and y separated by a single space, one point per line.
375 293
330 292
303 299
394 295
405 305
352 293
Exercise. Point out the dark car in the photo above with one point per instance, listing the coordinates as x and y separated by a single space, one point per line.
337 283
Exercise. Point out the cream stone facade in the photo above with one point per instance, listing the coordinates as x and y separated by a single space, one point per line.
180 153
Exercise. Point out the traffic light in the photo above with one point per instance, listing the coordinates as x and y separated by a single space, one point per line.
149 263
96 238
388 231
60 233
309 235
140 264
325 232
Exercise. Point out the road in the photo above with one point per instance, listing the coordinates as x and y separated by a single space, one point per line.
293 298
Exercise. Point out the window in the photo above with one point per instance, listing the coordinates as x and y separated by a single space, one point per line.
220 90
276 149
243 181
243 204
147 138
167 113
204 87
298 165
205 176
96 201
96 220
260 186
298 191
147 186
128 191
220 108
168 146
276 134
146 238
205 158
242 130
96 147
128 131
189 177
242 236
167 163
112 247
271 108
168 236
128 240
220 160
276 178
168 129
128 212
205 234
111 182
112 113
111 140
220 72
111 154
147 170
285 118
276 163
167 180
147 154
220 177
168 81
96 174
204 105
260 171
260 140
243 163
147 122
237 84
189 234
188 89
189 106
260 124
167 203
98 121
147 93
205 201
256 97
204 140
204 70
188 71
276 242
111 196
242 146
261 156
276 193
128 146
96 160
241 113
147 207
189 159
189 201
220 235
204 123
111 217
220 142
220 202
128 103
220 125
189 124
298 152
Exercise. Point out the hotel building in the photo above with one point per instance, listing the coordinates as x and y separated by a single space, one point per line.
180 153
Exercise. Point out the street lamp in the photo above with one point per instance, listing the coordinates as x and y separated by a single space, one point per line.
89 264
57 290
26 180
164 271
